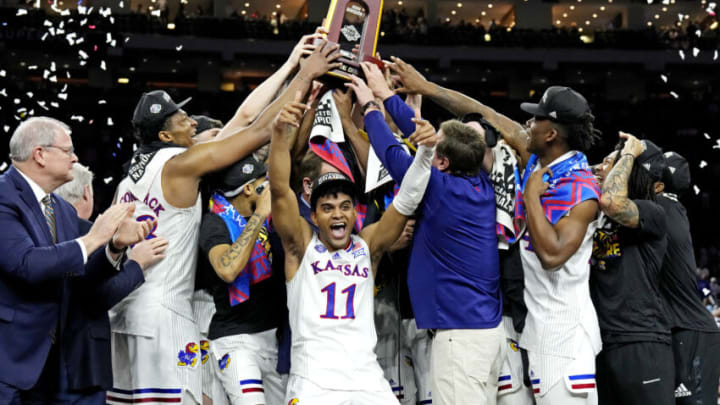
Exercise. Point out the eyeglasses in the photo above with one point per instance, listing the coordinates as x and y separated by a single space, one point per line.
68 151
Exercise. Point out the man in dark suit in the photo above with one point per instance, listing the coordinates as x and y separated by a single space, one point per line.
43 248
85 346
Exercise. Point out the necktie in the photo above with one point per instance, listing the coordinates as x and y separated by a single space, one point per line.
50 216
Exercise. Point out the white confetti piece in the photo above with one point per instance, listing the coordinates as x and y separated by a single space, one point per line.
696 51
682 54
3 73
110 122
706 135
680 16
51 30
29 94
102 65
664 78
3 166
703 164
3 93
102 102
53 79
42 104
6 128
82 9
16 101
79 41
107 180
78 118
113 43
64 89
54 104
650 1
120 139
112 20
121 4
44 36
21 11
91 10
134 147
717 144
715 56
62 24
52 66
108 38
127 39
63 96
672 93
83 63
47 23
698 33
155 13
82 54
83 22
178 48
697 189
65 12
32 67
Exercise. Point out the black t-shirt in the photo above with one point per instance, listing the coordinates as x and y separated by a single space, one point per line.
266 307
624 281
677 279
512 284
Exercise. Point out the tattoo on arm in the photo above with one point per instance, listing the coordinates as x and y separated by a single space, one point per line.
615 192
249 234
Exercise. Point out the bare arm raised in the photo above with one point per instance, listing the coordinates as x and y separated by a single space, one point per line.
183 172
459 104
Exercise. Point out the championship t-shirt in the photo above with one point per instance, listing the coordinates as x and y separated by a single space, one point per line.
265 309
624 278
677 279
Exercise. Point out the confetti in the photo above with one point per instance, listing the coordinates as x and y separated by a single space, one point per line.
21 11
65 12
717 144
6 128
4 165
703 164
697 190
54 104
3 93
63 96
102 65
127 39
682 54
178 48
83 22
16 101
82 9
82 54
680 16
78 118
650 1
698 33
102 102
134 147
120 139
112 20
44 36
706 135
715 56
53 79
83 63
47 23
113 43
107 180
2 73
155 13
32 67
52 66
51 30
696 51
672 93
29 94
664 78
42 104
121 4
108 38
64 89
109 122
80 41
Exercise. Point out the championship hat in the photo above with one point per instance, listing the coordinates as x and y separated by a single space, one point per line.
154 107
561 104
328 180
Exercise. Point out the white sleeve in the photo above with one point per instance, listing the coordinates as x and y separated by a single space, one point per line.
414 182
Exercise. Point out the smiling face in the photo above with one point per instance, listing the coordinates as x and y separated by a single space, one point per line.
601 170
334 216
179 129
538 129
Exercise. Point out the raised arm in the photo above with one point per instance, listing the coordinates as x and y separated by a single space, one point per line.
459 104
381 235
343 101
294 231
400 113
554 244
259 98
614 201
184 171
229 260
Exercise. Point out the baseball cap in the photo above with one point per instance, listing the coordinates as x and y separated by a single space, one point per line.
237 176
328 180
652 160
491 134
154 107
677 174
204 123
561 104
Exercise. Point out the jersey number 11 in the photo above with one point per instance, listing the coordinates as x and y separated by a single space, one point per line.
349 304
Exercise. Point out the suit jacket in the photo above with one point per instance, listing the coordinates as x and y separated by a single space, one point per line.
33 273
86 336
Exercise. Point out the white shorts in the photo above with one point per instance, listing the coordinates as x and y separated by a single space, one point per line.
247 368
301 391
511 389
408 373
164 361
576 384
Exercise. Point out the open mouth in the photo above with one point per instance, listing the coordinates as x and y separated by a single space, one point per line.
337 230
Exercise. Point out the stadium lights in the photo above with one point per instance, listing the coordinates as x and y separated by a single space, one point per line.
572 7
123 80
171 26
453 12
459 5
714 25
490 5
488 38
602 8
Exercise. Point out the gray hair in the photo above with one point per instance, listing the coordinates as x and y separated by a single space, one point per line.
34 132
72 191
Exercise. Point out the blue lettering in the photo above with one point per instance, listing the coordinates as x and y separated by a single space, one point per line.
315 267
365 272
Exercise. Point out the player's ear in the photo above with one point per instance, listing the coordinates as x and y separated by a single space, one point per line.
313 218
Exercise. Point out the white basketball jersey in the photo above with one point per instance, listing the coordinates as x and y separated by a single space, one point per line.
558 301
171 281
330 301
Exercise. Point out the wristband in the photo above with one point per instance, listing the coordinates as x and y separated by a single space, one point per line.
113 249
628 154
371 103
